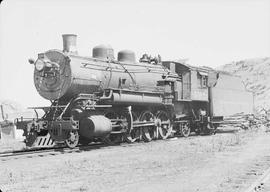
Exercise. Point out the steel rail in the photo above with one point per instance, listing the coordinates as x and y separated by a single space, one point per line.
51 150
65 149
259 183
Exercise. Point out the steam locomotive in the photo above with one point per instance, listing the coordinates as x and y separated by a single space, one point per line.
101 98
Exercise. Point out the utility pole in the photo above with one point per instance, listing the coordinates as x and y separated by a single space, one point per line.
253 102
3 117
2 112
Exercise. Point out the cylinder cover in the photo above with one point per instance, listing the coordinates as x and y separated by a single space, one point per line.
126 56
103 52
95 126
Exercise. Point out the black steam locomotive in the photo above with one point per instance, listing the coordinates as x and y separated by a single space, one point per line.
101 98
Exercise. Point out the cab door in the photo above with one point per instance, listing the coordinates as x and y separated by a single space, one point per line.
186 85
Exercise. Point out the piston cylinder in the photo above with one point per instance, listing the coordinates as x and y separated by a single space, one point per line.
95 126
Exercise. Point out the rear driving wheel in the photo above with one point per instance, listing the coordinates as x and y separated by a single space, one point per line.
148 132
163 124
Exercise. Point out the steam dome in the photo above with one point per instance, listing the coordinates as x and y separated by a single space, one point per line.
103 52
126 56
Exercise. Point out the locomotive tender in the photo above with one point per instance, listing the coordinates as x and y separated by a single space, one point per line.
101 98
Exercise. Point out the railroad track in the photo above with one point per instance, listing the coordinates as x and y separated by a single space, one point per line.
47 152
256 178
4 156
261 184
31 153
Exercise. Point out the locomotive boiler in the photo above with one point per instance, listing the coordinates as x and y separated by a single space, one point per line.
103 98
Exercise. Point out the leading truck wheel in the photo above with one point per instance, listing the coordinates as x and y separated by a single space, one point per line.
30 138
73 139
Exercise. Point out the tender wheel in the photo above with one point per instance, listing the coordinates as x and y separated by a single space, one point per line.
206 129
149 132
185 129
163 124
73 139
211 129
198 131
215 128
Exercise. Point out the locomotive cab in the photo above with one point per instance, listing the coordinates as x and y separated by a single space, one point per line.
191 95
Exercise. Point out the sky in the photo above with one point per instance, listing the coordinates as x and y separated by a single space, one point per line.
206 32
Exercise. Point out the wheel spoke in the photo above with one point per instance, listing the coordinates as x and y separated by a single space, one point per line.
113 139
73 139
149 132
164 125
135 133
185 129
133 136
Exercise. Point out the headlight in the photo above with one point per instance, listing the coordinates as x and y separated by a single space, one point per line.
39 65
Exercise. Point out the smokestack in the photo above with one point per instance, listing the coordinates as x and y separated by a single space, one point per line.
69 43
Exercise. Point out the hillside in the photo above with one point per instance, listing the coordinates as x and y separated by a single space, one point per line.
255 74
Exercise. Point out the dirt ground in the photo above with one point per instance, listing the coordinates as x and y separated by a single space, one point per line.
199 163
11 145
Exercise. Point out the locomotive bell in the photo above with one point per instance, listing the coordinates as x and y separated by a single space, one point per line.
126 56
69 43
